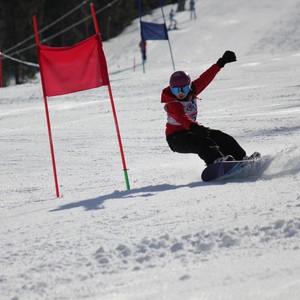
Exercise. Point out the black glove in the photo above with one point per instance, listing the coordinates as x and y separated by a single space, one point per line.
201 131
227 57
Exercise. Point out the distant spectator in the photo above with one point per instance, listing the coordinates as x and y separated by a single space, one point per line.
192 10
173 22
143 45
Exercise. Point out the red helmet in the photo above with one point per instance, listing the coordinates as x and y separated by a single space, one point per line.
180 78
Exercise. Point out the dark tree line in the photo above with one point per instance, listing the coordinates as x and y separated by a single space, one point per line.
16 26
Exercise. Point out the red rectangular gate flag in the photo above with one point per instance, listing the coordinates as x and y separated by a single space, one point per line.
67 70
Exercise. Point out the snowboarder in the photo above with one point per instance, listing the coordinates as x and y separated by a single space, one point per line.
192 10
142 46
183 133
173 22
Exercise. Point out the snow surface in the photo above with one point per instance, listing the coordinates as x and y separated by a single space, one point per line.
171 236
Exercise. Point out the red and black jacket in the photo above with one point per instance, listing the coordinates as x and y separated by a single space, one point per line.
181 113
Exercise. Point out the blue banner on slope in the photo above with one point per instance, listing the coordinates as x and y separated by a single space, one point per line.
153 31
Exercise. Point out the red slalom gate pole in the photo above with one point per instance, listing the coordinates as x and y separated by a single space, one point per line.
119 137
113 108
46 109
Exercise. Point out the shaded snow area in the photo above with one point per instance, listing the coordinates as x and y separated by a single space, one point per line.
171 236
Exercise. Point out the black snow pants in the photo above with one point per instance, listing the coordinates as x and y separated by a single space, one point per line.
218 144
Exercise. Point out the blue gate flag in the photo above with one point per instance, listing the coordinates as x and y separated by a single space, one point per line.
153 31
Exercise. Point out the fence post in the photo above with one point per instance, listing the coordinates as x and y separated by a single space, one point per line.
1 80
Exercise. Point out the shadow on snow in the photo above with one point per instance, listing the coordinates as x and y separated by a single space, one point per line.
95 203
287 167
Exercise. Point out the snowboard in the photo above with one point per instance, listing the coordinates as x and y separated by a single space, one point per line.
236 169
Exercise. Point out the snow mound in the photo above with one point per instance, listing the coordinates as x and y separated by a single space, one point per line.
154 252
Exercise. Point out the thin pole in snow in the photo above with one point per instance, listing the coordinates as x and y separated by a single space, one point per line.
142 39
162 11
46 109
113 108
0 70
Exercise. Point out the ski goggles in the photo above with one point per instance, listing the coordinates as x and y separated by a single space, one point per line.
180 89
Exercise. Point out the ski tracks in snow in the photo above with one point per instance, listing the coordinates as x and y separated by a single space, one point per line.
153 252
